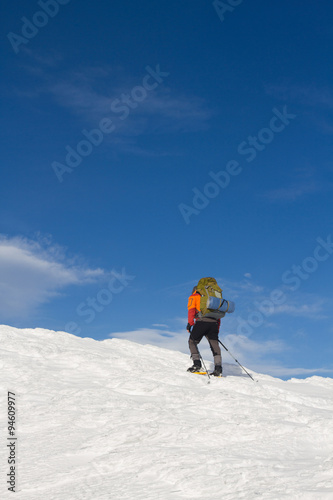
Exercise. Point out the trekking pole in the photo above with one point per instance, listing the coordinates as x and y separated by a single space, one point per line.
236 360
200 357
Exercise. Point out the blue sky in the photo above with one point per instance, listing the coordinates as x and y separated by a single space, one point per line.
147 145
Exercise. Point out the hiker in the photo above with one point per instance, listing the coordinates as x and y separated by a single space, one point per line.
198 327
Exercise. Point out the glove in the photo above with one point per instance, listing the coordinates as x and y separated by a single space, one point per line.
188 327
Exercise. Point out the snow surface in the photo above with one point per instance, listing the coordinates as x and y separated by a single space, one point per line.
118 420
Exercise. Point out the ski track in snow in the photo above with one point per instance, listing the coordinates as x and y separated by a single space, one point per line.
118 420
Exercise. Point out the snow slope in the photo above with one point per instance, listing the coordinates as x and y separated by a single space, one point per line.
118 420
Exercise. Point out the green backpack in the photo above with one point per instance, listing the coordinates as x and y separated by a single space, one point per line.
208 287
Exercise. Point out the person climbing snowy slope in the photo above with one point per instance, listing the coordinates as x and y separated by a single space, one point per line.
202 326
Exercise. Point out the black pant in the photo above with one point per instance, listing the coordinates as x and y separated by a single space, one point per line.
208 329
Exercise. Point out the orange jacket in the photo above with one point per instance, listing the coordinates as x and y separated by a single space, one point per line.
193 307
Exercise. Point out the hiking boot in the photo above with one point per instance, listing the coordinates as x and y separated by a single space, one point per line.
196 366
218 371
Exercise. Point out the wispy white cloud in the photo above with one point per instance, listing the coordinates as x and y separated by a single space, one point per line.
241 343
163 111
308 94
233 290
250 295
89 92
277 370
317 100
50 58
176 340
312 309
79 99
35 271
292 193
303 181
265 357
